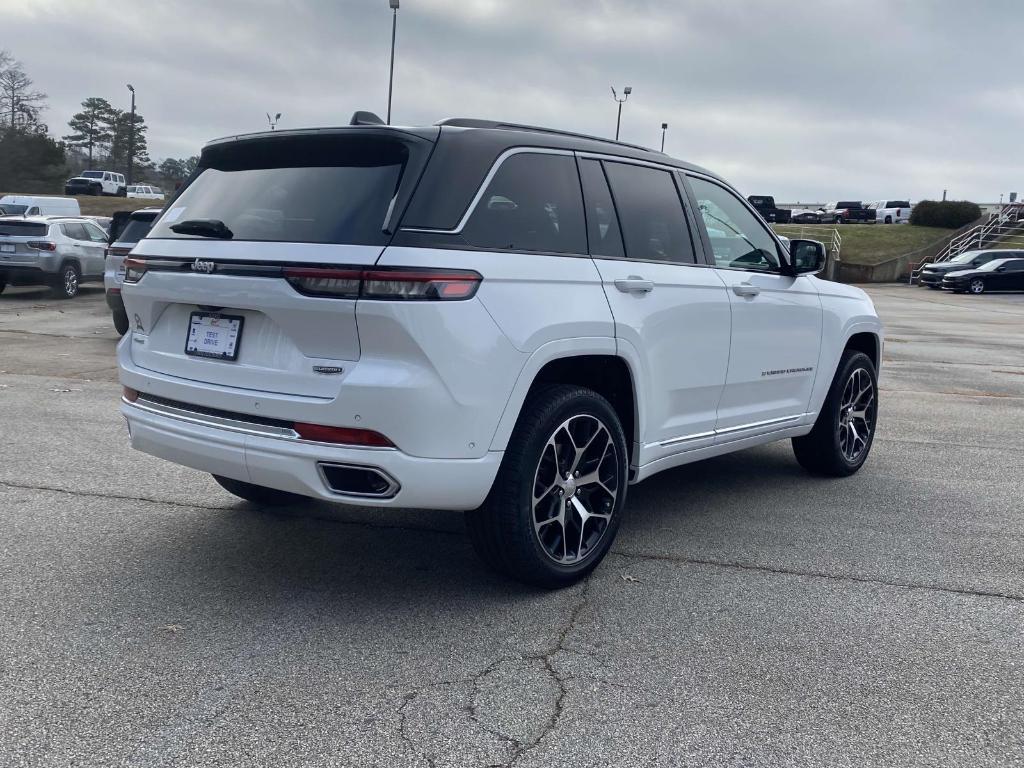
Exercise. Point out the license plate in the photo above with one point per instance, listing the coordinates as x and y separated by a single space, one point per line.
7 248
214 336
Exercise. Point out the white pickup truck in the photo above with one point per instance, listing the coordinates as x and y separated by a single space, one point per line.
890 211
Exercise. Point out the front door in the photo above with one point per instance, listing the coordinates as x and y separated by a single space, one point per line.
671 314
776 319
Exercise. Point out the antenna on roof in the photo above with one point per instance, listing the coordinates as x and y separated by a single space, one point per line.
365 118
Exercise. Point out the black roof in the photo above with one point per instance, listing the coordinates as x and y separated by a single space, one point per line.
463 151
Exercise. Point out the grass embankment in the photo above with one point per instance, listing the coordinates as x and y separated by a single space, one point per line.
105 206
875 243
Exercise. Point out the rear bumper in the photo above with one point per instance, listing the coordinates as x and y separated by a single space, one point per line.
294 465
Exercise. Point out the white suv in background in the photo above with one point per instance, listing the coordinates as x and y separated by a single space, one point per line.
512 321
96 183
51 250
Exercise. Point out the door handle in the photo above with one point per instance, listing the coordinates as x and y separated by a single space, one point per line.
746 289
634 284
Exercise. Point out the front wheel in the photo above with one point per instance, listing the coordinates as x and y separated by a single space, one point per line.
558 498
888 219
977 286
258 494
67 283
842 436
3 284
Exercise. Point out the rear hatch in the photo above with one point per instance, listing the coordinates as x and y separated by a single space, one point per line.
230 285
22 241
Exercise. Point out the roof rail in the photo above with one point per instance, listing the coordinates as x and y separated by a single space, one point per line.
473 122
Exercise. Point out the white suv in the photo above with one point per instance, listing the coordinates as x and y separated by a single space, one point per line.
97 183
477 316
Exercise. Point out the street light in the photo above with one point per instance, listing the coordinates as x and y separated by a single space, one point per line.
273 120
131 138
393 4
664 127
625 95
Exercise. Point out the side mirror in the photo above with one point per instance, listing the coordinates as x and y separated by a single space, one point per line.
806 256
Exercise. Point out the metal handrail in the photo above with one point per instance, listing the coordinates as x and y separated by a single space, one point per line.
1004 226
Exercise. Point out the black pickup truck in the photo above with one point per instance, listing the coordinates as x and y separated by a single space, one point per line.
847 212
765 205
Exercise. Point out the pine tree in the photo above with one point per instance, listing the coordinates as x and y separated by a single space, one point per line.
91 126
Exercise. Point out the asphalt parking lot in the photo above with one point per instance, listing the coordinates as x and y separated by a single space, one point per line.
748 615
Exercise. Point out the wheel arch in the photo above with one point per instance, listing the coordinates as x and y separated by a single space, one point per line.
594 365
867 342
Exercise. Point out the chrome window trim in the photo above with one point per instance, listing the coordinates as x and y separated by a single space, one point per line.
486 182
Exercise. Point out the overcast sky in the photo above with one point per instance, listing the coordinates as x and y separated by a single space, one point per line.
811 101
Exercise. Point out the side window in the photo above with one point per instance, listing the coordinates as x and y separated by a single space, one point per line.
738 240
602 224
533 203
74 231
106 177
95 234
653 221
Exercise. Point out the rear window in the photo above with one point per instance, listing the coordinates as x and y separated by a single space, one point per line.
312 191
135 229
22 229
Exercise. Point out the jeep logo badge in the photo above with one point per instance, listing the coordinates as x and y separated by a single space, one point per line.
203 266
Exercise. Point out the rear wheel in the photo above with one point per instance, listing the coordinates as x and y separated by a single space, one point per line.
888 219
258 494
558 499
67 284
841 439
977 286
3 284
121 323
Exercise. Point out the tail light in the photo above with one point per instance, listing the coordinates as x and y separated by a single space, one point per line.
385 284
134 269
42 245
346 435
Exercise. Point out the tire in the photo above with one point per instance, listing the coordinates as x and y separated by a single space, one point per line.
888 219
96 190
68 282
504 531
837 220
122 191
841 439
121 323
977 286
3 284
259 495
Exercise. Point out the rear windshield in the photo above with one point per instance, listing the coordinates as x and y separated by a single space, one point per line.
22 229
135 229
320 190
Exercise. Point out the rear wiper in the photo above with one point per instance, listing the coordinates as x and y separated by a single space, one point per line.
203 228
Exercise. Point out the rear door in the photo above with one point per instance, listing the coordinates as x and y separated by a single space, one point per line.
776 319
671 312
300 214
95 246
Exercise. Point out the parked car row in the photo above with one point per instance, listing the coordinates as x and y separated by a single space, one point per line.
840 212
992 269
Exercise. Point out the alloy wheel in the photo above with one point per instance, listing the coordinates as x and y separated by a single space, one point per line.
856 414
977 285
70 282
574 489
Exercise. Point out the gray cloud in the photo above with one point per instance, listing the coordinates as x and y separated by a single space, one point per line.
809 101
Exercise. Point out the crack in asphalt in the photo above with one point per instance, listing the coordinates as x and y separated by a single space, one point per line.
228 508
781 571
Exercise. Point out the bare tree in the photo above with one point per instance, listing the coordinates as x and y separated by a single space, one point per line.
19 104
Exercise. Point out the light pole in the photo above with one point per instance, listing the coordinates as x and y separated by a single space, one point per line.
625 95
664 127
391 74
273 120
131 138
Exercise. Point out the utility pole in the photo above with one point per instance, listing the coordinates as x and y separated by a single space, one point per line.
625 95
131 138
664 127
391 74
